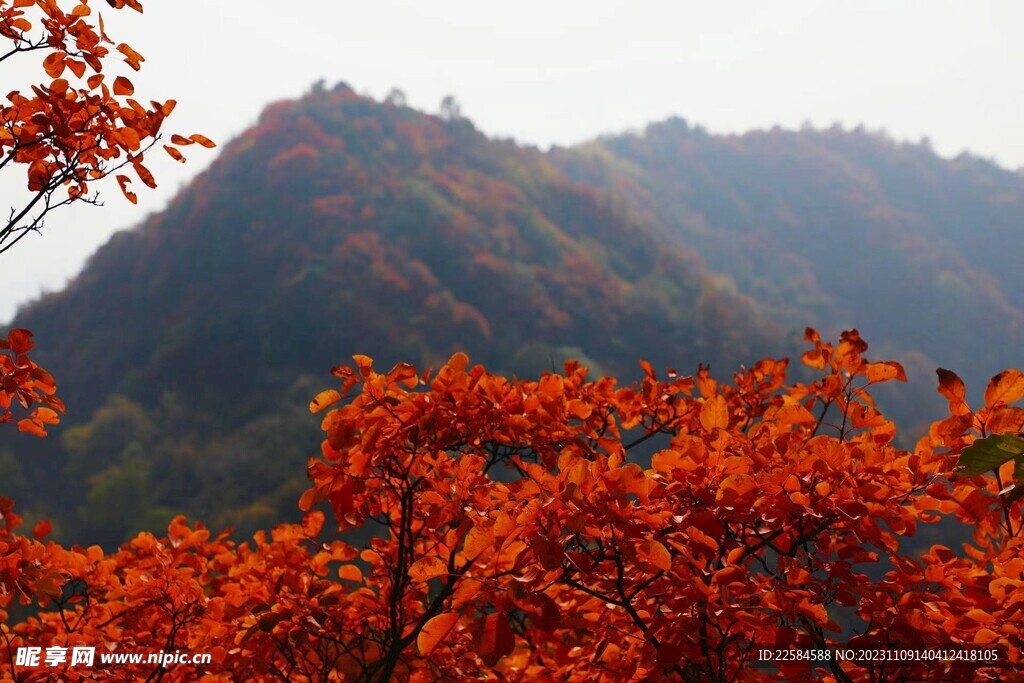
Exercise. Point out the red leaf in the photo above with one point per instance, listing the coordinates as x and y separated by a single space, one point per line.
550 553
54 64
124 181
31 427
952 387
122 86
20 341
42 529
495 639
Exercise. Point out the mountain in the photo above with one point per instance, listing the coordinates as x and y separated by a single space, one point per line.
189 346
841 229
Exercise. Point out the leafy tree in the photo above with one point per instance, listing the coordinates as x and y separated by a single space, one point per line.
761 520
451 110
396 98
74 131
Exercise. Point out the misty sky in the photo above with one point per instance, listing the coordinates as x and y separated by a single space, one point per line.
553 72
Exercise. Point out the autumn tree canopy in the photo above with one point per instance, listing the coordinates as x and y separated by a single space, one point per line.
517 540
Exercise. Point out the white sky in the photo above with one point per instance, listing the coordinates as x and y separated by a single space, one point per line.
557 71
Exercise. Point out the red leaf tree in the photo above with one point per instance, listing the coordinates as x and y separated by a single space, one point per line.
516 538
66 135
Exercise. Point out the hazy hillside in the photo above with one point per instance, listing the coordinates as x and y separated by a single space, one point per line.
841 228
191 345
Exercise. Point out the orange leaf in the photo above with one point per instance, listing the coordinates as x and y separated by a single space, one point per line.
122 86
42 529
952 387
45 416
1006 387
308 499
175 154
457 362
975 502
31 427
144 174
1005 419
705 383
124 181
427 568
735 486
435 630
77 67
580 409
350 572
714 414
648 369
885 371
20 341
132 57
313 523
654 553
203 140
478 540
54 64
324 399
793 413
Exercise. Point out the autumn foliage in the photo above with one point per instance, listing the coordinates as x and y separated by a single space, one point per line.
517 539
78 129
26 386
82 125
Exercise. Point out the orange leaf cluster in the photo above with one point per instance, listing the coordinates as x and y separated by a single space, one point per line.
78 127
521 540
25 384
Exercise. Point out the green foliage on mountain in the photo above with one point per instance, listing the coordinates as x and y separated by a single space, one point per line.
188 348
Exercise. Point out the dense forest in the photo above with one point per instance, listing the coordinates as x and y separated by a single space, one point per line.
189 346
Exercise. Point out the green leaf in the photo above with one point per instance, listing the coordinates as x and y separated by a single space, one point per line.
987 454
